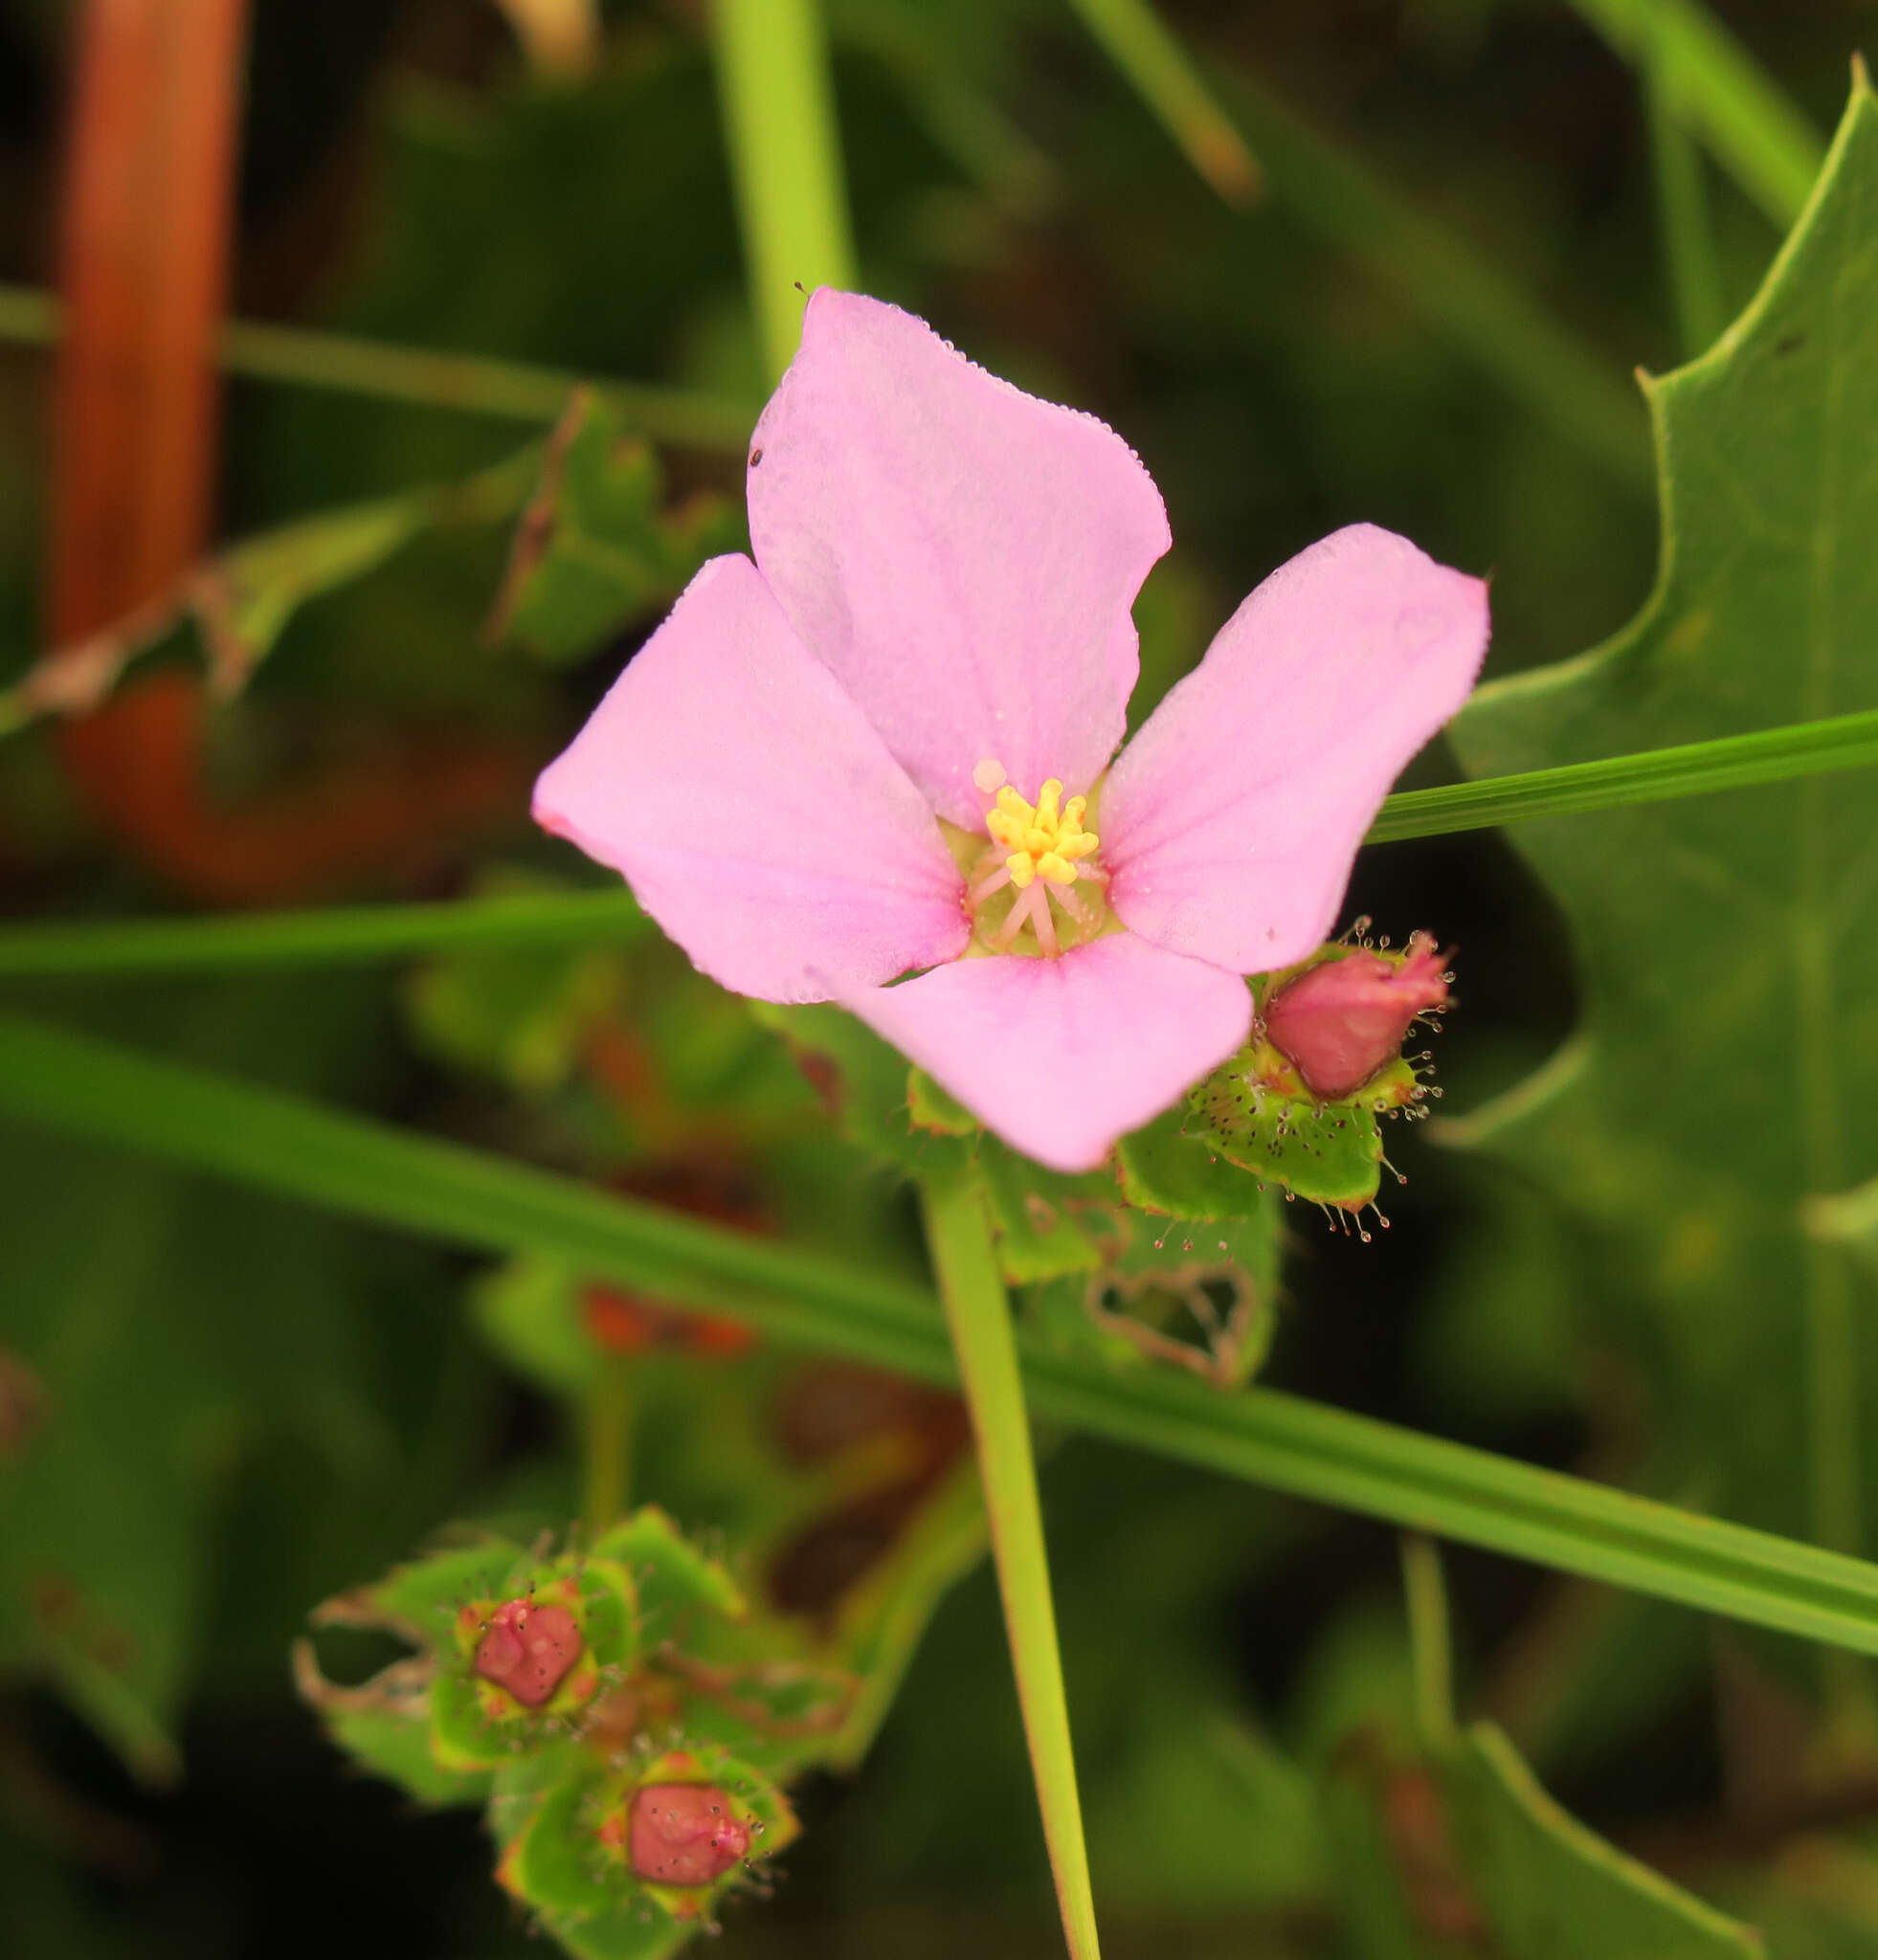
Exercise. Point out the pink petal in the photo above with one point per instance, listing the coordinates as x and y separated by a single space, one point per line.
962 555
1062 1056
755 813
1229 823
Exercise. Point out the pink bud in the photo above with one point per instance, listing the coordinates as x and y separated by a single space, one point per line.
1339 1022
527 1649
684 1833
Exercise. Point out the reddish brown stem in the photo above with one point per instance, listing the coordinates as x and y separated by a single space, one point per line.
145 248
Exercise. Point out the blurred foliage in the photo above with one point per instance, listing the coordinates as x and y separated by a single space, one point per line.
217 1409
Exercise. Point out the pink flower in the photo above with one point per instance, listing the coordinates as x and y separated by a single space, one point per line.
884 745
1343 1020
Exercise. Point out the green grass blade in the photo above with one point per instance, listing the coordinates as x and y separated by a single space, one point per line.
341 935
978 1314
1146 51
1755 131
785 158
346 934
370 1171
1656 775
428 377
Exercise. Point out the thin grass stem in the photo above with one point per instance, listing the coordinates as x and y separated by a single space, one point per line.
1148 54
778 105
978 1314
427 377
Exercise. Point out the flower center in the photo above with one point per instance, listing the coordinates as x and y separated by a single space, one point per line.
1022 890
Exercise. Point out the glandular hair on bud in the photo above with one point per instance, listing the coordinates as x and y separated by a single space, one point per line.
1344 1019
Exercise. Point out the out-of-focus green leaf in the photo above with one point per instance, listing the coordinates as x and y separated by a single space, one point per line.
165 1331
1047 1224
596 548
842 1495
522 1014
1443 1856
865 1084
1718 1078
242 599
1446 1845
1210 1814
1552 1889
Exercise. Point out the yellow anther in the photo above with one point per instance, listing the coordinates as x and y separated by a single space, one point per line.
1041 840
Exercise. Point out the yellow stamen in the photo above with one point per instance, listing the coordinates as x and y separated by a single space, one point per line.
1044 838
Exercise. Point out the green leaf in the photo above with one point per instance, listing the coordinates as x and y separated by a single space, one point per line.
1211 1814
673 1579
1728 1028
596 549
519 1014
1197 1294
1462 1851
384 1725
1167 1171
892 1111
1448 1842
129 1302
839 1492
1046 1224
1554 1890
242 600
